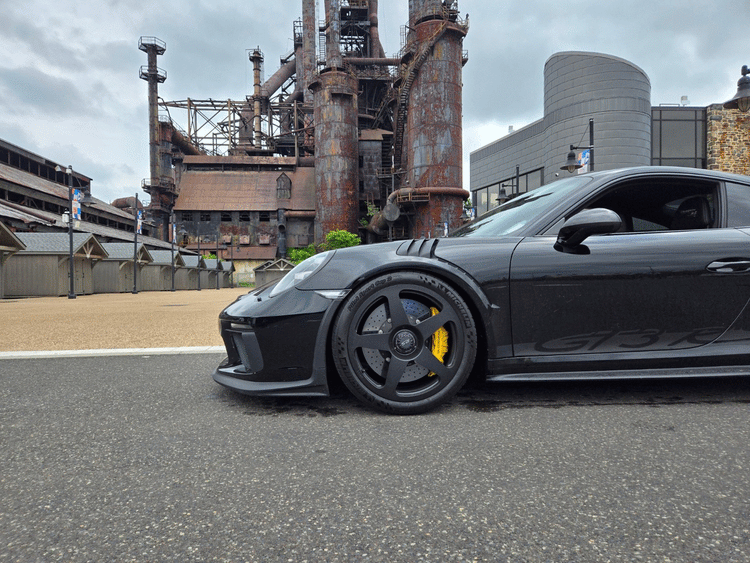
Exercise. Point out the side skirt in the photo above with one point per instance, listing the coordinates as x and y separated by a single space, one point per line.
721 371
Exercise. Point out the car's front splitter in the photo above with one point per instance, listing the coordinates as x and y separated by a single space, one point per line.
233 378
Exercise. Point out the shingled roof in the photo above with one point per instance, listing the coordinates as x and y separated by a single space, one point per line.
84 244
164 258
123 251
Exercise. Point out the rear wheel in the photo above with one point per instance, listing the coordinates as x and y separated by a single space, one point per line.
404 343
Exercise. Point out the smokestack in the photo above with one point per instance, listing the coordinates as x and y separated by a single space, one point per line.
333 34
153 47
308 47
257 58
376 48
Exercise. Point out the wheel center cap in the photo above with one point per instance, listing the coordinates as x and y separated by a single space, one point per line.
405 342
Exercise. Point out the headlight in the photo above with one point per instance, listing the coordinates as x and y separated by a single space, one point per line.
300 272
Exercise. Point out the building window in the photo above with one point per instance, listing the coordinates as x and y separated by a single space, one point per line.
283 187
186 216
264 216
244 216
226 217
481 201
205 216
486 198
678 137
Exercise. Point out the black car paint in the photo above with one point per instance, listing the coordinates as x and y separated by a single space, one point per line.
560 322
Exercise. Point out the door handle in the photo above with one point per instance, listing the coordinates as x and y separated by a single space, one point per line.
729 265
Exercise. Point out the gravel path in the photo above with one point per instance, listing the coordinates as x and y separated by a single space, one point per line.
149 319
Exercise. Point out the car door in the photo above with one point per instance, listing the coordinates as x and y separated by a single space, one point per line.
659 291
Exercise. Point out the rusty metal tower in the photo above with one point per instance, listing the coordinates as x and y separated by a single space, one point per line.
160 185
430 94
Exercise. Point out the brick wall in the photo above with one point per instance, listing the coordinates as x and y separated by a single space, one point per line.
728 140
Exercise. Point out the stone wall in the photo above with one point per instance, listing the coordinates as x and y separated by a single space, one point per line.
728 140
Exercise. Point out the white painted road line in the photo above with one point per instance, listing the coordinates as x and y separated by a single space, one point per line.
110 352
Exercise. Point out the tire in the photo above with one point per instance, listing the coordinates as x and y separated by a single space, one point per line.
404 343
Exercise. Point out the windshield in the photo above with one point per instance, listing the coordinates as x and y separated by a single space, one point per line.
512 216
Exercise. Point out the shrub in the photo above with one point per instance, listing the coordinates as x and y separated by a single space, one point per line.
340 239
297 255
334 239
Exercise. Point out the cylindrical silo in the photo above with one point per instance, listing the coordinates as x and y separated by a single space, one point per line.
336 148
615 93
433 127
336 153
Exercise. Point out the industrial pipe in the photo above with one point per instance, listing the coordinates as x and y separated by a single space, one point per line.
378 222
333 33
372 61
299 214
376 47
184 145
285 72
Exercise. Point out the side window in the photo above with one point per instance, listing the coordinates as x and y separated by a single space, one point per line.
661 204
738 205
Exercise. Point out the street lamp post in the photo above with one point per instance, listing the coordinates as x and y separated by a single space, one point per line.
199 261
572 164
71 266
217 260
741 99
173 233
135 247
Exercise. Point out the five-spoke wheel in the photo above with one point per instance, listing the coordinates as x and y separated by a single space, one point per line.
404 342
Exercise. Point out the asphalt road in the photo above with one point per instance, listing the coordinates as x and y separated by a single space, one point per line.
146 459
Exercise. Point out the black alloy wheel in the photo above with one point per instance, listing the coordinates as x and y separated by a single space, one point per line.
404 343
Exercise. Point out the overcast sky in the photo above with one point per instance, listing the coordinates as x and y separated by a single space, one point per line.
70 91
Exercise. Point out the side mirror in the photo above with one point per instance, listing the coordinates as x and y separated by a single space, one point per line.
588 222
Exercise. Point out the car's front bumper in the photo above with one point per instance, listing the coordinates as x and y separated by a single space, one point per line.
276 346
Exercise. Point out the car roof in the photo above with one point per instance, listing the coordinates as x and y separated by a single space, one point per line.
668 171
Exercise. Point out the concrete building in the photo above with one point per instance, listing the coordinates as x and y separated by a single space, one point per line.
600 98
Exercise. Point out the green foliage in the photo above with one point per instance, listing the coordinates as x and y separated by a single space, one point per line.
372 209
340 239
211 256
335 239
297 255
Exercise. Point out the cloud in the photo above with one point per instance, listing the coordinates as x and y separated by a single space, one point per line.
71 81
33 42
30 90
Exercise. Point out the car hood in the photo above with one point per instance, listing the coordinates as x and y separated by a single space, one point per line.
481 259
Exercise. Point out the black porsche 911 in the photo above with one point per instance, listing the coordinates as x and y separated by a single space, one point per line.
634 273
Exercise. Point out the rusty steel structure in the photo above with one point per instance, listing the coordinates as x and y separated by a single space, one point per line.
383 133
159 187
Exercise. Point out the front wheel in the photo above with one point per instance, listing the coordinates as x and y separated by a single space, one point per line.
404 343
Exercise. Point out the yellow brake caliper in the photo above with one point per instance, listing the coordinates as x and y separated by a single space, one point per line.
439 342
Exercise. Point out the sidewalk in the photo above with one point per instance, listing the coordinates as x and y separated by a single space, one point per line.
115 321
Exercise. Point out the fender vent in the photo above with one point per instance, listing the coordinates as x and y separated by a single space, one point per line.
419 248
